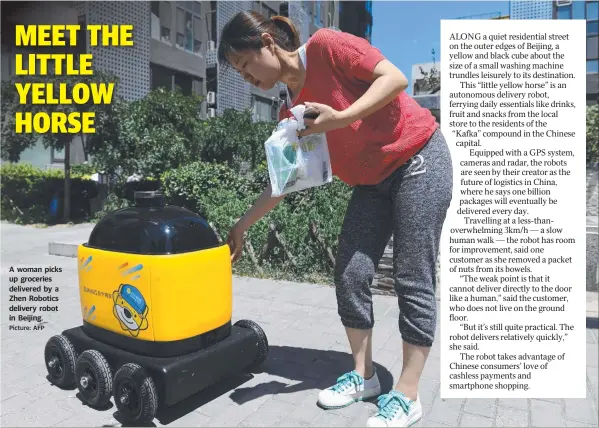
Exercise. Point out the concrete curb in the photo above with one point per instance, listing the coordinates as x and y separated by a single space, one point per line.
64 250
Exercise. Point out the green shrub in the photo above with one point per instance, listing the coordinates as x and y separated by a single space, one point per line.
82 169
323 206
259 178
112 203
221 196
188 185
28 193
232 138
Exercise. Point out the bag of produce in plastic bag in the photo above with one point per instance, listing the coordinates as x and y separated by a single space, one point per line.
296 163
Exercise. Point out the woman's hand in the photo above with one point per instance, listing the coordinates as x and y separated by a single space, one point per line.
328 119
235 242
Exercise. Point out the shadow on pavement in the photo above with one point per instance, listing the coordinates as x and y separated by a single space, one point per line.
305 368
169 414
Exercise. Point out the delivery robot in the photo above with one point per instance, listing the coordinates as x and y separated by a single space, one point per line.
156 296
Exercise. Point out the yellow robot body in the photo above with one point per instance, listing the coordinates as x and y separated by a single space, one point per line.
155 274
156 297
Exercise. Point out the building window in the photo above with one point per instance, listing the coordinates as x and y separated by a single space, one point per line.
263 9
183 82
593 66
592 10
270 12
197 30
262 109
196 86
8 67
161 21
161 77
592 28
592 47
189 26
578 11
56 156
564 12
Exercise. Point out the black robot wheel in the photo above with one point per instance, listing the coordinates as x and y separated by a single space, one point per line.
60 356
135 394
262 343
94 378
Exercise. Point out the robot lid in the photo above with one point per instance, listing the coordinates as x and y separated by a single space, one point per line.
152 228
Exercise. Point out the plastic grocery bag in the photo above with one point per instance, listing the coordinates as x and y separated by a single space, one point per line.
296 163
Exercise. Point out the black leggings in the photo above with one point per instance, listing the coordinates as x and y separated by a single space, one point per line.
411 204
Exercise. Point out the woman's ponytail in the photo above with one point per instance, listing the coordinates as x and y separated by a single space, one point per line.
284 24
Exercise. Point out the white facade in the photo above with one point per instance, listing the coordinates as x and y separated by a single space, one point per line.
531 9
130 64
232 90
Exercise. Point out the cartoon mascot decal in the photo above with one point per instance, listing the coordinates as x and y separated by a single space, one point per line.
130 309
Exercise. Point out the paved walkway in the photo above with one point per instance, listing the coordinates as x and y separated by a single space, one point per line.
308 351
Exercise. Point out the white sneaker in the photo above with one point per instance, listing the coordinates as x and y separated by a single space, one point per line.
396 410
350 388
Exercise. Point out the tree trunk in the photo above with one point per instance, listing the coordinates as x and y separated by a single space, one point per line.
67 182
83 145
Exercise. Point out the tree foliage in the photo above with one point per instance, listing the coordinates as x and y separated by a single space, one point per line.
14 144
164 131
160 132
233 137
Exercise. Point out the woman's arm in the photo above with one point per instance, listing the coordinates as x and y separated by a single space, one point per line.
263 205
387 82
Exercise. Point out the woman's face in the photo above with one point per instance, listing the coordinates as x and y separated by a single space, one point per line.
260 68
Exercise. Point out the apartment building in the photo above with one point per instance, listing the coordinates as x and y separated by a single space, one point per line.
229 89
355 17
175 46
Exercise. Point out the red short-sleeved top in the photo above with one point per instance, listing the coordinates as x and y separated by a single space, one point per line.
339 70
